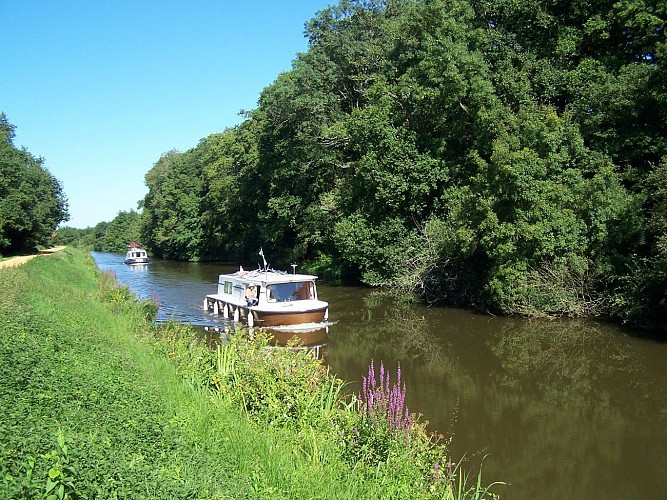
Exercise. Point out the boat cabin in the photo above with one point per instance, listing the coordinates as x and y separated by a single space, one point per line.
136 255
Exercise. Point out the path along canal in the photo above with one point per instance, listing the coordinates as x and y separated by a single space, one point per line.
560 409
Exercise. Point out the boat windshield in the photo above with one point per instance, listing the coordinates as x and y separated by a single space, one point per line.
287 292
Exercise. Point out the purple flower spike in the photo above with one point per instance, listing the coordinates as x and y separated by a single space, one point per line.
371 375
381 400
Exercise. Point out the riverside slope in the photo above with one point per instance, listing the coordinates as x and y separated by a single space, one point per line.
93 409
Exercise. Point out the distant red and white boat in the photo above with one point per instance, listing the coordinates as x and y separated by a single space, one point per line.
136 255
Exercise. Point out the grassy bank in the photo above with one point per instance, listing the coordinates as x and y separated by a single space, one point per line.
97 402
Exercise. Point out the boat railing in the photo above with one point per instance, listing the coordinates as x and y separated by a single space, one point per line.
257 273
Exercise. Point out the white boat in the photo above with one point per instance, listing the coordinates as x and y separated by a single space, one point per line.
136 255
268 298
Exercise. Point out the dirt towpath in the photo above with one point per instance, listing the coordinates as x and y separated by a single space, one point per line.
21 259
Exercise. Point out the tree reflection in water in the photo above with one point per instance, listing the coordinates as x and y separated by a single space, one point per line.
566 409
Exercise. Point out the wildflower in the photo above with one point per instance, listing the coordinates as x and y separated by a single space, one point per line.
380 400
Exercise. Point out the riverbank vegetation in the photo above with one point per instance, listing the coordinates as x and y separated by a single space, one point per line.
510 157
112 236
32 201
99 402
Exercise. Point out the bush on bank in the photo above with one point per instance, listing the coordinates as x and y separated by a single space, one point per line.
101 403
370 436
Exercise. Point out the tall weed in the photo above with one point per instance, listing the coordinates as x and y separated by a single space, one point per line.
60 483
372 433
151 412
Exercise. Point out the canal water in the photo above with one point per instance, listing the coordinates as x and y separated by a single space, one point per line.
557 409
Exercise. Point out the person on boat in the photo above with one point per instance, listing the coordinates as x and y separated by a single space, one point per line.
251 295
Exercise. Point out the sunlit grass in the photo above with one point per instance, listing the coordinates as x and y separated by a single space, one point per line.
105 405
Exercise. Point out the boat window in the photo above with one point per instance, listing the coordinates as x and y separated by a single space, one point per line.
287 292
228 287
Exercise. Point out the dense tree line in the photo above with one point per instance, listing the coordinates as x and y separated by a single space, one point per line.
112 236
505 155
32 201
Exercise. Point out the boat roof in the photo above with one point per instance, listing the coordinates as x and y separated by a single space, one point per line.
268 276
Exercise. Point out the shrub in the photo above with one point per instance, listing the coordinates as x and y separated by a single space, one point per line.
121 299
372 434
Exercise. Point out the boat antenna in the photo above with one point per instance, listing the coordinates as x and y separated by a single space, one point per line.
261 252
293 268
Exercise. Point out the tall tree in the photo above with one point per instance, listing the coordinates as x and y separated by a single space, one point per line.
501 154
172 208
32 201
124 229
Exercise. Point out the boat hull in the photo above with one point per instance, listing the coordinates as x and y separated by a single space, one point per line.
273 318
280 315
132 262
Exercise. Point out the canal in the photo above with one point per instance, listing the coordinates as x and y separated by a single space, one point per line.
560 409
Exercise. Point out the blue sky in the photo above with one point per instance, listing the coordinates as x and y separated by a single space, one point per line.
100 89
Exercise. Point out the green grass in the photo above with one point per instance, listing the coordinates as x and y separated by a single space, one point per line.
98 403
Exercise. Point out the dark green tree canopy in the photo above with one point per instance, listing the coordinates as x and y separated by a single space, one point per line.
506 155
32 201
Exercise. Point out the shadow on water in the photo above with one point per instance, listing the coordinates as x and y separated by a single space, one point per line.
564 409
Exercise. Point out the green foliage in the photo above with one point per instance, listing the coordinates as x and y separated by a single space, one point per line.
112 236
66 365
641 298
273 386
328 269
365 442
32 201
62 474
23 483
288 388
276 387
121 299
494 154
171 208
124 229
377 251
90 238
72 236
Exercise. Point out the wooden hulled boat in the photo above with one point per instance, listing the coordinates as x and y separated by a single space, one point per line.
266 298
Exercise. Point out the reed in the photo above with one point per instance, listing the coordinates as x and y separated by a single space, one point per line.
329 396
459 483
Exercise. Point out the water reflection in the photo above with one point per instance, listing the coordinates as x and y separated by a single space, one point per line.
309 338
314 340
565 409
593 402
138 268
